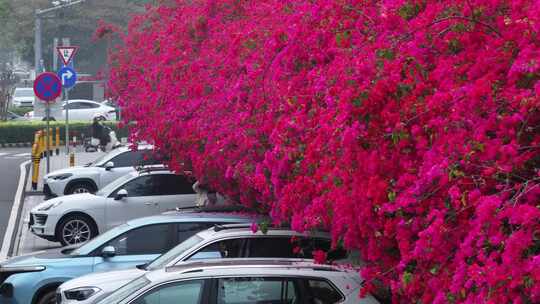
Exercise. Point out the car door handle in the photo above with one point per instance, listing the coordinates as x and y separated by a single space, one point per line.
150 204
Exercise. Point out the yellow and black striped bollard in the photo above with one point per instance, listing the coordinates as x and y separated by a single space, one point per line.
35 165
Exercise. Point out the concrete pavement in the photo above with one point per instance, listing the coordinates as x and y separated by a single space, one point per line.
27 242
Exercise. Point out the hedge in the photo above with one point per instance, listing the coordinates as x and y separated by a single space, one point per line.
23 131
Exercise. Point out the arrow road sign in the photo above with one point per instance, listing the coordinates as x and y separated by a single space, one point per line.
67 53
68 77
47 86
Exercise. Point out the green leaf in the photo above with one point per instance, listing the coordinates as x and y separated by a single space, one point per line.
407 278
392 196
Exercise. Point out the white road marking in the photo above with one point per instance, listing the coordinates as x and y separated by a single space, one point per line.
21 155
14 213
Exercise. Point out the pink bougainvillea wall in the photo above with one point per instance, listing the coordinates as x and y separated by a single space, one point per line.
410 129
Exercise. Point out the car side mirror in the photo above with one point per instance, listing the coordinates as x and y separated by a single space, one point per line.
109 166
121 194
108 252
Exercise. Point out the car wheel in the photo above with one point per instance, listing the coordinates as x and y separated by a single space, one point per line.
47 298
76 229
81 187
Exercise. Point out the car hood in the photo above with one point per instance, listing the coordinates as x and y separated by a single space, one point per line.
80 171
107 281
23 98
41 258
68 202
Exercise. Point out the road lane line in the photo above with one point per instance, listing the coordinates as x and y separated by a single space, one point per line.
14 213
21 155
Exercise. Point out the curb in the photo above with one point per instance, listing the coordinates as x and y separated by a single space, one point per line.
9 246
16 145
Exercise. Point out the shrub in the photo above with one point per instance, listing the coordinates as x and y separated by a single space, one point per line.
23 131
410 129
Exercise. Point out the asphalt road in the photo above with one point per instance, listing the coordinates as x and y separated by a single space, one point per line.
10 161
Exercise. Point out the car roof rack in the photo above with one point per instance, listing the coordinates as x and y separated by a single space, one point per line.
224 208
151 168
221 227
200 266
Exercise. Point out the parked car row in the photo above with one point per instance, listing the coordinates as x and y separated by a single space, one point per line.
79 109
136 236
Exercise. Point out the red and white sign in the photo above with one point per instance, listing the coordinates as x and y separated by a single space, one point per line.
67 53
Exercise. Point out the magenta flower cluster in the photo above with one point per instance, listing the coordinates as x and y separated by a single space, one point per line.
409 129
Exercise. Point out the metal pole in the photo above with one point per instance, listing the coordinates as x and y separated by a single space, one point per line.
37 43
55 55
66 94
48 113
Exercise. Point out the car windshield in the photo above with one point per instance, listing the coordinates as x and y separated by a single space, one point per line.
115 184
126 290
172 254
24 93
101 160
99 240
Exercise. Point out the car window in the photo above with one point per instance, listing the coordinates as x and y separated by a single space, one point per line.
304 248
126 290
126 159
221 249
73 106
270 247
186 292
135 158
172 254
90 105
172 184
257 290
187 230
140 186
143 240
24 93
322 292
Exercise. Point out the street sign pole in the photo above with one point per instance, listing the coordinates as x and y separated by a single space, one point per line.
48 87
68 76
48 118
66 94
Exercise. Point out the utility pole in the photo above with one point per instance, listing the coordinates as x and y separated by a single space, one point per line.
39 16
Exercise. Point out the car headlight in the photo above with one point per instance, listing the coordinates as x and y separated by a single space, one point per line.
21 269
50 206
61 176
81 294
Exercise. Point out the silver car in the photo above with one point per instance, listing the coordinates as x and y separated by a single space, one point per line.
220 242
243 281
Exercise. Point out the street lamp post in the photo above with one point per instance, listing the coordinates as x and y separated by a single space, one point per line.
38 61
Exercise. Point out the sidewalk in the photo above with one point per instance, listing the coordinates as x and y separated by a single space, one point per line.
26 241
60 162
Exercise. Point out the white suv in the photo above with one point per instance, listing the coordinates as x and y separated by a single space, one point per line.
220 242
23 97
97 174
77 218
241 281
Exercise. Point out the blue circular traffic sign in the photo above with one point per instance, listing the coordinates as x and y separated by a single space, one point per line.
47 86
68 76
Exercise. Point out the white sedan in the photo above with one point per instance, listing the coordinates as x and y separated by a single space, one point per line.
77 218
81 109
97 174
